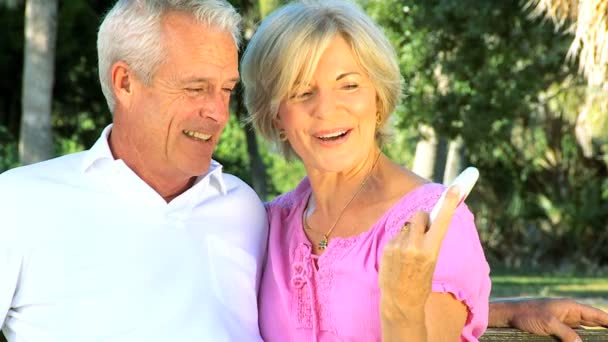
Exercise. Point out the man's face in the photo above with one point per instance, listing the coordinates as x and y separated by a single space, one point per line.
181 114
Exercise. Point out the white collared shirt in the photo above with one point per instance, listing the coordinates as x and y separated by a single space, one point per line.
89 252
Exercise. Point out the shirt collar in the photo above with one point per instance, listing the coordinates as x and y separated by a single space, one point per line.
100 151
215 175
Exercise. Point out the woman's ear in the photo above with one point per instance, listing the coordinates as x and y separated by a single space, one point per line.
278 125
276 122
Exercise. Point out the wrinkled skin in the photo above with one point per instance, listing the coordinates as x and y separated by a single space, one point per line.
545 316
405 277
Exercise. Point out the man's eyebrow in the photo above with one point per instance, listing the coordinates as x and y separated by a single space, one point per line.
341 76
195 79
207 80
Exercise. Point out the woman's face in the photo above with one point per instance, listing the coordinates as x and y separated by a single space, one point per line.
331 122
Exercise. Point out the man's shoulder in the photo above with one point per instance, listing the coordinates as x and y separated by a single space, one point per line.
63 167
32 193
238 187
241 197
232 181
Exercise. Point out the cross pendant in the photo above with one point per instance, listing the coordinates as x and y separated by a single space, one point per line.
323 243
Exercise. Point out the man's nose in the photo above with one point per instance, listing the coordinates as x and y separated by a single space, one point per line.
215 105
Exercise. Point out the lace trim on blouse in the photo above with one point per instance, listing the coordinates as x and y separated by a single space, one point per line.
313 287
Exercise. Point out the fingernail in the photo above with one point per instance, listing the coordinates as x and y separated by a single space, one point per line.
578 339
455 191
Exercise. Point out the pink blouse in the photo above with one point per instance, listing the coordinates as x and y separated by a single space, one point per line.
339 301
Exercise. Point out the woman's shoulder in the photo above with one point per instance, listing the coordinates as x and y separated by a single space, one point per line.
291 199
409 191
421 198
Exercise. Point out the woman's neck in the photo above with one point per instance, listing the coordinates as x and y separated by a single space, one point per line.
332 191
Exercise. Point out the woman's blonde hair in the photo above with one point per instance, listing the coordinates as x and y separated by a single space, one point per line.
286 49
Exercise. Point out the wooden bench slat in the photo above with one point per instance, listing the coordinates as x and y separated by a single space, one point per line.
507 334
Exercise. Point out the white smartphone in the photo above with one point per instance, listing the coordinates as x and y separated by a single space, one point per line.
465 181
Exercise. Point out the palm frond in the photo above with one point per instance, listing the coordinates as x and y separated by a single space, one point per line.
589 24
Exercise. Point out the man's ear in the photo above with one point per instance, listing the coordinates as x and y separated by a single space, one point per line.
123 82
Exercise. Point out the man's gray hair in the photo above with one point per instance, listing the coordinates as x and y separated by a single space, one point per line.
131 32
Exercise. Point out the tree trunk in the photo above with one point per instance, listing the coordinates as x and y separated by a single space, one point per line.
38 76
431 151
591 122
455 161
258 169
256 164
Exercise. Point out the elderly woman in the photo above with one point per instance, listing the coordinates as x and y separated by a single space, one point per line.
349 255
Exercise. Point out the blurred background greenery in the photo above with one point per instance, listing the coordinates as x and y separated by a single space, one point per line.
486 83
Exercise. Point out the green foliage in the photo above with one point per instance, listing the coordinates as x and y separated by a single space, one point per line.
284 175
79 108
11 64
9 155
552 207
483 70
591 289
231 152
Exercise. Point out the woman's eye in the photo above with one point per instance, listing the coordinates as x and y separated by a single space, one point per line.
350 86
301 95
304 94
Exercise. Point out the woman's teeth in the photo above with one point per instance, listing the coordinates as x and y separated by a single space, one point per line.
333 136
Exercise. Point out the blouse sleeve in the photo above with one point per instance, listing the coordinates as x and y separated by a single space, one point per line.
463 271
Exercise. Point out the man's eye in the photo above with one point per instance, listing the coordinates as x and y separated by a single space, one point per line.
194 91
228 90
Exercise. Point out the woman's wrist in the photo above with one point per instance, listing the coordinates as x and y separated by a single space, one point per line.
398 321
392 311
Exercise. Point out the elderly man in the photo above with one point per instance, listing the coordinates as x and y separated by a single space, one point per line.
142 237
